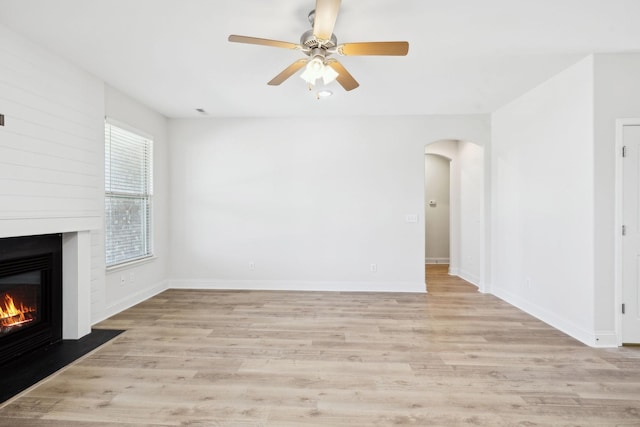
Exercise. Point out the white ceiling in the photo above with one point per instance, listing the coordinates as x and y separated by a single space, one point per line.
465 56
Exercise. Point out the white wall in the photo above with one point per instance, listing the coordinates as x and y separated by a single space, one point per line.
617 96
472 223
437 188
312 206
542 202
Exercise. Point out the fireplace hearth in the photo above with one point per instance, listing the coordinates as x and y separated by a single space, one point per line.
30 294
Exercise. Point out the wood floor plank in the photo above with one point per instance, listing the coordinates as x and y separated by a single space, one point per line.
451 357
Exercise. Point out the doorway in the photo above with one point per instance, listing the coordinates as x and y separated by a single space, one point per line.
437 192
461 242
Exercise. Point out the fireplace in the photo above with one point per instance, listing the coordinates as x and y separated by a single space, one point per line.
30 294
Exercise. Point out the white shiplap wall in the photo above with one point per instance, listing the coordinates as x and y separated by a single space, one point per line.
51 148
51 145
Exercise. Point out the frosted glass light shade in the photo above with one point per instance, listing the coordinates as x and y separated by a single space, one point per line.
329 75
316 69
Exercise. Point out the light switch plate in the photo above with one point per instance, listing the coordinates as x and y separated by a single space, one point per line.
411 218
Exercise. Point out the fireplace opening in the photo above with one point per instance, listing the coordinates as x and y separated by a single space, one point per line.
30 294
20 301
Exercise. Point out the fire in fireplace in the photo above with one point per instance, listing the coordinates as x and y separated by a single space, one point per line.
19 302
30 293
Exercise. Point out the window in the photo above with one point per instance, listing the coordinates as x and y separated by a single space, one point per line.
127 197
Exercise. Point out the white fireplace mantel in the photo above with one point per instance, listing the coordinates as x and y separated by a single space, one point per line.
15 227
76 284
76 264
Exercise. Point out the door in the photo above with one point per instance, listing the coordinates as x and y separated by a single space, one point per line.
631 238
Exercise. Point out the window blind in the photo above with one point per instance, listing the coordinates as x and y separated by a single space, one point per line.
128 192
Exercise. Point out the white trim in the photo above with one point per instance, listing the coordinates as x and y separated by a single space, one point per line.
606 339
294 285
270 285
471 278
436 260
128 264
590 338
131 300
486 250
16 227
620 124
76 272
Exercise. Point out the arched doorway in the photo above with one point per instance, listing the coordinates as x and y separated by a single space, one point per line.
466 233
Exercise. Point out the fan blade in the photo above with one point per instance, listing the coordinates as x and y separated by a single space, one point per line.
325 19
345 79
374 48
288 72
263 42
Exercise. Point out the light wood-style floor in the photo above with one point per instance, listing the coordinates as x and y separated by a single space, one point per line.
452 357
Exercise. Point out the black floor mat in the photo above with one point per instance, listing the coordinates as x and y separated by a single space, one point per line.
20 374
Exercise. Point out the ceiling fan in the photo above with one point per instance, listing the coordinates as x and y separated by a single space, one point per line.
319 43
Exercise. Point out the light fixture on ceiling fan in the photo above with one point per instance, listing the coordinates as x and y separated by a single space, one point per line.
319 43
316 69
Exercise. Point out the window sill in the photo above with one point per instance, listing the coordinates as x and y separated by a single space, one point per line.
130 264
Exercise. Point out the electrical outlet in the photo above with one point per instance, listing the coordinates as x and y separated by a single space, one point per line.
132 276
122 280
374 268
252 266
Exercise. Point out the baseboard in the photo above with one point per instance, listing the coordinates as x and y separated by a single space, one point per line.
132 300
468 277
589 338
436 260
294 285
606 339
275 285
